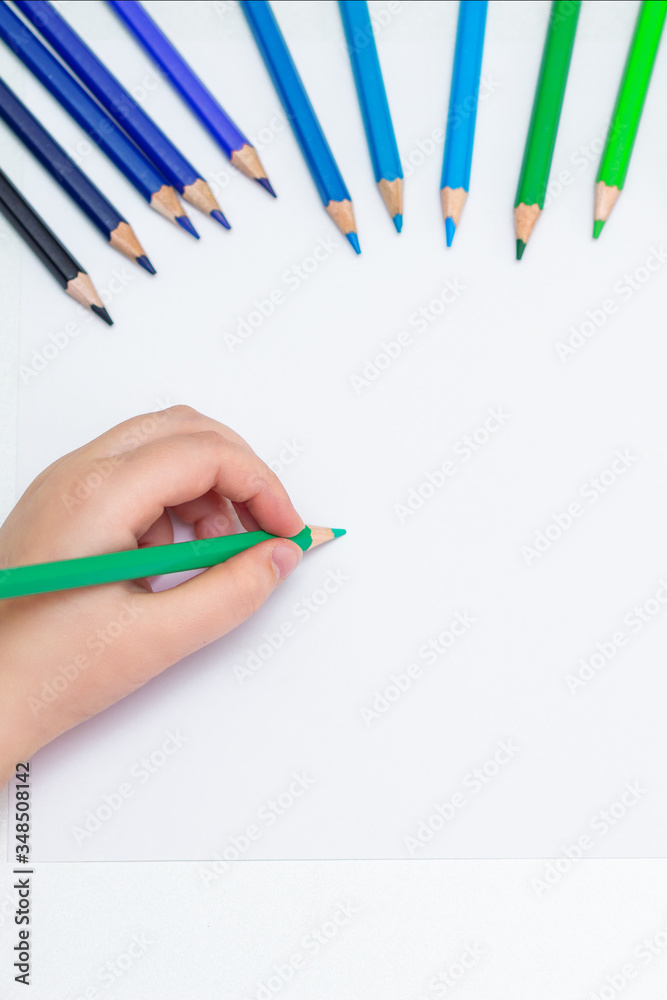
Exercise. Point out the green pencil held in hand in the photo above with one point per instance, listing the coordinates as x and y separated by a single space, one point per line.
544 119
628 110
135 564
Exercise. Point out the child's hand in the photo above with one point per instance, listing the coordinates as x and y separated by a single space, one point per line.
66 656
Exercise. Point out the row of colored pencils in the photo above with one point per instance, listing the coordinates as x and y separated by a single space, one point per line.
120 127
160 172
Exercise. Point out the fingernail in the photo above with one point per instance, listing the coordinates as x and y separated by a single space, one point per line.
286 557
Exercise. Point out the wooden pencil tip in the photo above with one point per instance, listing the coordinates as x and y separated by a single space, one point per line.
143 261
520 247
321 535
102 313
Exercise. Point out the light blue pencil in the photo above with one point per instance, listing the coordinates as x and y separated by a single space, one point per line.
374 105
301 115
462 113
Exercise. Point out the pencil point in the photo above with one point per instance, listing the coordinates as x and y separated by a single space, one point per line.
185 224
337 532
102 313
353 240
144 262
450 229
398 221
520 247
597 227
266 184
219 217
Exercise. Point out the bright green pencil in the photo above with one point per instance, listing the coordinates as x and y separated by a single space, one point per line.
628 109
136 564
544 120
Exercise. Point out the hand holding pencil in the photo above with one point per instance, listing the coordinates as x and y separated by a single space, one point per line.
70 654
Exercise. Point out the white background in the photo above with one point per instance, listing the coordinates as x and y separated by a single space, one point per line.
221 937
364 451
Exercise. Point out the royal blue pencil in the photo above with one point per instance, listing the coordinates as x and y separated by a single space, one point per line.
96 122
122 106
462 113
226 133
374 105
301 115
71 178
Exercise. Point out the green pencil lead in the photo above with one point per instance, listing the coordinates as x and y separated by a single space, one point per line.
597 227
520 247
337 532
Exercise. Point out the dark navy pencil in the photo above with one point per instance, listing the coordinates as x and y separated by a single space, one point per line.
71 178
374 105
45 244
301 115
121 105
462 114
102 130
238 149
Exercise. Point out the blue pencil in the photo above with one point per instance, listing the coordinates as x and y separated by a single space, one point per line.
71 178
307 129
121 105
374 105
226 133
101 129
462 114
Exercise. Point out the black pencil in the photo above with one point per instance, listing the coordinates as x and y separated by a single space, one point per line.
59 261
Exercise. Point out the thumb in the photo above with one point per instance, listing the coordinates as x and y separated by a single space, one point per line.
208 606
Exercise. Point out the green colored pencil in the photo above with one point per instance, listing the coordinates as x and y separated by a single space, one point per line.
628 109
136 564
543 128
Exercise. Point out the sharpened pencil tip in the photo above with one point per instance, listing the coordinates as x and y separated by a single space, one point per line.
219 217
103 314
598 226
398 221
266 184
450 229
337 532
144 262
520 247
185 224
353 240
